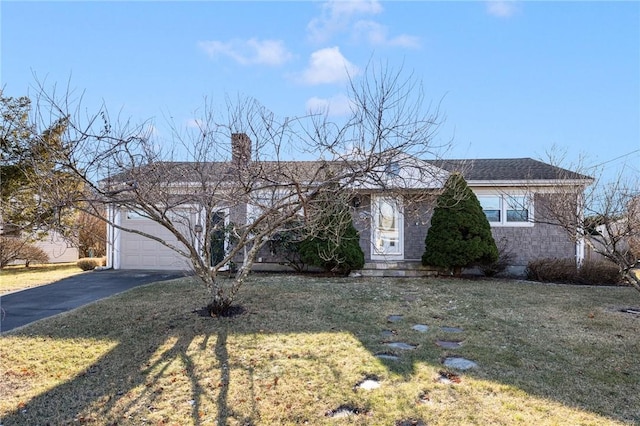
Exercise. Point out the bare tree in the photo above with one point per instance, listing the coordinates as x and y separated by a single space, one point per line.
91 235
231 176
604 216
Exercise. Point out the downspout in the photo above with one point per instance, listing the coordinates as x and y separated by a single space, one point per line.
113 240
109 236
117 221
580 244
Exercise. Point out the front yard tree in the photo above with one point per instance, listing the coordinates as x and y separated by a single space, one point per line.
230 172
460 234
605 217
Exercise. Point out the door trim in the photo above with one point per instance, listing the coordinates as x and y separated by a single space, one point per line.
377 230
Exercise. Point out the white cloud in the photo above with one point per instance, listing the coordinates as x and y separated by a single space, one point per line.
249 52
194 123
337 16
328 66
378 35
340 16
405 40
502 8
338 105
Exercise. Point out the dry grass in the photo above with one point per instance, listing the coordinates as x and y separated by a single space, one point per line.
547 355
15 278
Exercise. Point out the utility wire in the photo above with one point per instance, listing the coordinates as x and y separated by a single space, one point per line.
617 158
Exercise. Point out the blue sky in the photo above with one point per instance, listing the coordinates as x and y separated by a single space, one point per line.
515 78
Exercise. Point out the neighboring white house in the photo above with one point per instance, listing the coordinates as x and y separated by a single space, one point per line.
57 248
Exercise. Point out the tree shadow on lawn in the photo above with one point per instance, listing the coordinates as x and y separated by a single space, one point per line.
170 364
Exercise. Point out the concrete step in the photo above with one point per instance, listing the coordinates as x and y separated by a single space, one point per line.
396 269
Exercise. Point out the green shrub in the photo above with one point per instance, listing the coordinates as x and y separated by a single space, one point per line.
286 245
89 263
566 271
460 234
341 254
330 239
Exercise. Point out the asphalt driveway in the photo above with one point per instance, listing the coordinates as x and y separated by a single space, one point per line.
26 306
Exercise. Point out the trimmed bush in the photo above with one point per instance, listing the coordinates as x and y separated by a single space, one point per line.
460 234
89 263
566 271
552 270
286 245
599 273
331 241
340 255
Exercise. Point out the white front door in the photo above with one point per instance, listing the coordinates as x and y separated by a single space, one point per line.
387 228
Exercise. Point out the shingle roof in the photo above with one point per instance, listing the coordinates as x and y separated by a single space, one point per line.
507 169
183 171
497 169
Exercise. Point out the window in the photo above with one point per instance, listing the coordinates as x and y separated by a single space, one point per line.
517 209
266 200
491 206
507 210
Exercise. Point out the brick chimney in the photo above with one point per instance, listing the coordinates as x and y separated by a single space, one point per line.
240 149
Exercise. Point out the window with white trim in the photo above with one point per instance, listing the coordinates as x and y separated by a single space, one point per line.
507 209
265 200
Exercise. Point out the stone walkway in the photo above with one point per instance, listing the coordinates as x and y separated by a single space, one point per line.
370 383
457 362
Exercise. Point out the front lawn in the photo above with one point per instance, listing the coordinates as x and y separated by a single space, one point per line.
545 355
15 278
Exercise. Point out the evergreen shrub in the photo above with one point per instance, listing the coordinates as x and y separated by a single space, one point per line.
460 234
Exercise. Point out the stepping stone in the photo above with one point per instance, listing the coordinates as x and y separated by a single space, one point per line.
410 422
401 345
451 329
448 344
368 384
388 333
424 397
389 357
344 411
459 363
395 318
421 328
448 378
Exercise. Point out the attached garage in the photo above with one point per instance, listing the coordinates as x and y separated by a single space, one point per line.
134 251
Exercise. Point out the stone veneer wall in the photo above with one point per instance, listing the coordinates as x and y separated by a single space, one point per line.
542 240
362 222
417 217
527 243
536 242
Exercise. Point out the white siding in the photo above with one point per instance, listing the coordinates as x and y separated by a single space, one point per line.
139 252
57 248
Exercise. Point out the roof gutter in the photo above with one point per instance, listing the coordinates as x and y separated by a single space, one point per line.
532 182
